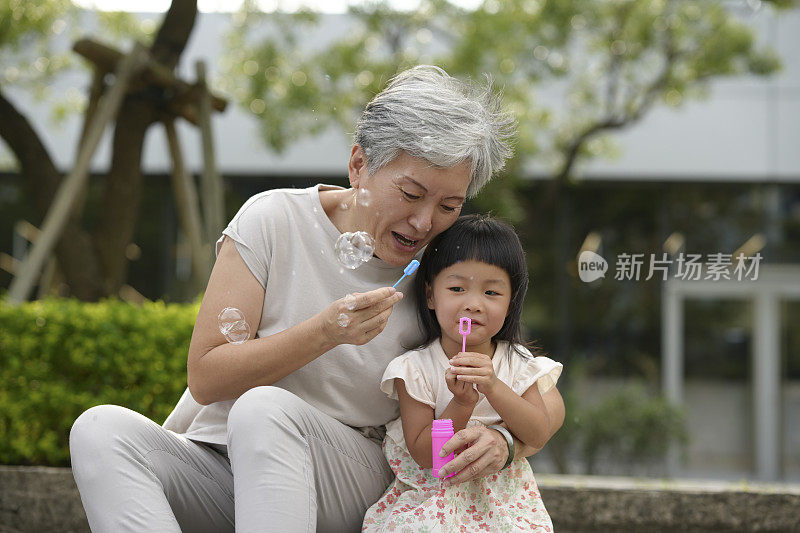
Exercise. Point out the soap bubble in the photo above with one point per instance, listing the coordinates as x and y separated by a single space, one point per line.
233 325
354 248
426 143
364 197
350 302
227 317
343 320
239 333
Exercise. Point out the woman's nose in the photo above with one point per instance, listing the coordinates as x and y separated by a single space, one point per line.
421 221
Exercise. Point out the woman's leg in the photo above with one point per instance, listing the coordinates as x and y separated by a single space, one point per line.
134 475
297 469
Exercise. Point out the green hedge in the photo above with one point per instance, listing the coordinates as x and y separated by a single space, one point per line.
59 357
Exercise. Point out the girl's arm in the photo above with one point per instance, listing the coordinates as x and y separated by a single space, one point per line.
525 416
554 404
417 422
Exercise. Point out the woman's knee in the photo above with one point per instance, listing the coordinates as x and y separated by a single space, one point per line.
264 406
95 430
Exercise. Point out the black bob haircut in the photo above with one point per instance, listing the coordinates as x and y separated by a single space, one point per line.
480 238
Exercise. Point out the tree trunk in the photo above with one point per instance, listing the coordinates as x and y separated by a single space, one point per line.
95 265
74 251
122 195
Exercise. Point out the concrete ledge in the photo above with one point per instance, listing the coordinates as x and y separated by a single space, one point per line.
579 504
40 498
35 499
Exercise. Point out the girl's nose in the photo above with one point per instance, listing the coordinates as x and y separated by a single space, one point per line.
473 305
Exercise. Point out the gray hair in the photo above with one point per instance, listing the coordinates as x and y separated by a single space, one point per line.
429 114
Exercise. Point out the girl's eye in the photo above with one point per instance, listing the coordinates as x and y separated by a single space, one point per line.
455 289
493 293
410 196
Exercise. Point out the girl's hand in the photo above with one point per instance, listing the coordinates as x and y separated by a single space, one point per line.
464 394
358 318
474 368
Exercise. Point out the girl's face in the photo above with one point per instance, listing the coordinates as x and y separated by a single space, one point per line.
471 289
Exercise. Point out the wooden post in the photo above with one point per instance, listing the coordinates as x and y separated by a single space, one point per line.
213 194
188 210
70 188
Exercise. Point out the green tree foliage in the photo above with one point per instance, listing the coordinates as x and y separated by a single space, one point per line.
27 34
35 40
613 59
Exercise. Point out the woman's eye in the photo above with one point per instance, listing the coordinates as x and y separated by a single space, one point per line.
410 196
448 208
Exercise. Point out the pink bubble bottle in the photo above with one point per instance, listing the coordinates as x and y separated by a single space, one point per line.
441 432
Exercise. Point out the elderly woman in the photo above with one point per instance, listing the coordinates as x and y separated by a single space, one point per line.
283 431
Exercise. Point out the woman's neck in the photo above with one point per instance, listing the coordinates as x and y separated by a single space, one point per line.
332 201
451 347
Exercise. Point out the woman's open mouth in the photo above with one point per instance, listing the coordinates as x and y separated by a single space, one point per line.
404 242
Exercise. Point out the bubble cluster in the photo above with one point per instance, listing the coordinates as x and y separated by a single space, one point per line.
343 320
364 197
350 302
354 248
233 325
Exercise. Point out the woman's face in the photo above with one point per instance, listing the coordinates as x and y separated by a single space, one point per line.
411 201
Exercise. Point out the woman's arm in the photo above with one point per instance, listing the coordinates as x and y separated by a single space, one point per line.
417 422
488 450
218 370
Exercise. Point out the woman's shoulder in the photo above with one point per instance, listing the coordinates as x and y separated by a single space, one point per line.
266 202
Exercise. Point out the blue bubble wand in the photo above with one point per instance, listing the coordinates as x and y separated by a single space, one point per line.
410 269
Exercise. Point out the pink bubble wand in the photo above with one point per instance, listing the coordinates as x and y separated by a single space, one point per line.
461 330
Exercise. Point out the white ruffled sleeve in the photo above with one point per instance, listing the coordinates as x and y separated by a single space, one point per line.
406 367
540 370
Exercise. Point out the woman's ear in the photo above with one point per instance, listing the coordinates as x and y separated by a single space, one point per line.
429 295
357 167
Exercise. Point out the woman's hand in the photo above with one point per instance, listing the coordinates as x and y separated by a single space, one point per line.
474 368
486 454
464 394
358 318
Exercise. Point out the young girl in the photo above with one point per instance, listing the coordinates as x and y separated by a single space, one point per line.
475 269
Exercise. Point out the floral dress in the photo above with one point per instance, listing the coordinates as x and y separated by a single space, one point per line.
416 501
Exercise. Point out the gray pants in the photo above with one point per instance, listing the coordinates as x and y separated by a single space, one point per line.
290 468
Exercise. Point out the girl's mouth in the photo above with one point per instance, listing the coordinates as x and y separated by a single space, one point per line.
403 241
